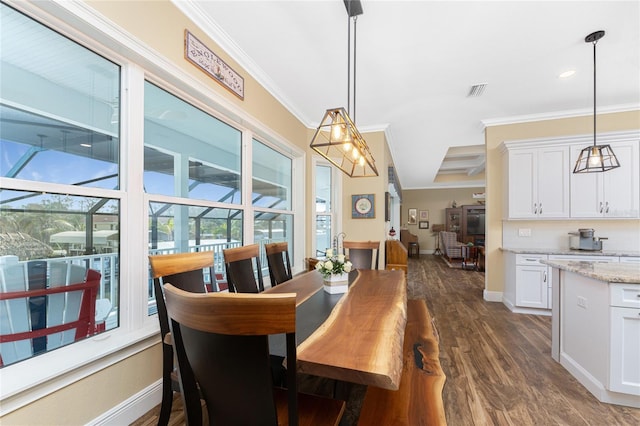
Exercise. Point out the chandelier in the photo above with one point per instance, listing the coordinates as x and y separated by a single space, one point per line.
596 158
337 139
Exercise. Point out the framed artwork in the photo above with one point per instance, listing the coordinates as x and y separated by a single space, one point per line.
423 224
363 206
413 217
423 215
387 206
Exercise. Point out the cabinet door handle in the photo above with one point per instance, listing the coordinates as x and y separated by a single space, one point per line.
544 277
606 210
540 208
535 208
601 207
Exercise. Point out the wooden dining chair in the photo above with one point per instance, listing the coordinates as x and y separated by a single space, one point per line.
278 262
187 272
242 275
225 342
360 253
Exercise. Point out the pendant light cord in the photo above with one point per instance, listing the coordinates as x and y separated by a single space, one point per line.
348 64
355 52
349 74
594 92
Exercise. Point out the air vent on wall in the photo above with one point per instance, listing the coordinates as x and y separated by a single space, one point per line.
476 90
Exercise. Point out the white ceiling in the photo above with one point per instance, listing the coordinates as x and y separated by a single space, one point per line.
417 61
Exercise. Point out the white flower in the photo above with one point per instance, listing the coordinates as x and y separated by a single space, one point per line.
329 253
341 258
347 267
328 265
319 265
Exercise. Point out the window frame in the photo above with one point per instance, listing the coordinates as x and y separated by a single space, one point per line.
336 195
39 376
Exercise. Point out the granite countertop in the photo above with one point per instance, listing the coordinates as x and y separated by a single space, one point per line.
608 272
552 251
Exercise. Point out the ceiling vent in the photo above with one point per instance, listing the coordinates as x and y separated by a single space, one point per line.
476 90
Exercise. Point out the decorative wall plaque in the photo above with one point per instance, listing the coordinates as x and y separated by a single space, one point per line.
201 56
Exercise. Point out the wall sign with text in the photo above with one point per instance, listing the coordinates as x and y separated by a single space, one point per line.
201 56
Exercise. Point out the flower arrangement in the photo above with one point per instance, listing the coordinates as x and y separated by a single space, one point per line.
333 265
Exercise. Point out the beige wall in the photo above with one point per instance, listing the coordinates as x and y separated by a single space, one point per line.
435 201
495 135
368 229
88 398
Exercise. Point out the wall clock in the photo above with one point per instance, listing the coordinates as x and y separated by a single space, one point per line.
363 206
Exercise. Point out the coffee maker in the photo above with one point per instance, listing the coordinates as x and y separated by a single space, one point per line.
584 240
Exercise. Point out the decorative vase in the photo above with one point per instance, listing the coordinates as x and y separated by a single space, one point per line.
336 277
336 283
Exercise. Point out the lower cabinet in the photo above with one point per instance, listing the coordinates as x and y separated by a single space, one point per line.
532 286
624 367
528 283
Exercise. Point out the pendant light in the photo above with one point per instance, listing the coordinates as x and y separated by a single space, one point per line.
596 158
337 139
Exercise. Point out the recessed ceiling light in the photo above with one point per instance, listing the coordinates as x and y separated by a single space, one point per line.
567 74
86 145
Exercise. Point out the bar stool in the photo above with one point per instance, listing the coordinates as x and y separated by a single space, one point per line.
414 248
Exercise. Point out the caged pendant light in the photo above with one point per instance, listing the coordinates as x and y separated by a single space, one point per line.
337 139
596 158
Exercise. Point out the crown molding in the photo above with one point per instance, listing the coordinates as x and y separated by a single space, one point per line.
195 13
557 115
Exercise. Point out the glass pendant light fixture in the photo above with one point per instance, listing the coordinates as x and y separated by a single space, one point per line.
596 158
337 139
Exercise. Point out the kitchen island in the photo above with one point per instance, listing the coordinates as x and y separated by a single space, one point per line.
596 327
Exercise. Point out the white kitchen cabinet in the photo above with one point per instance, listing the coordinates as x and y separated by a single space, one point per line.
624 368
527 284
538 182
612 194
531 287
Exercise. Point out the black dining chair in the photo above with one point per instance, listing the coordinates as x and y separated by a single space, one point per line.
360 253
224 340
278 262
187 272
242 275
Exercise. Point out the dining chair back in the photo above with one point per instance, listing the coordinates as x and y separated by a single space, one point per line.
244 272
278 262
360 253
225 342
187 272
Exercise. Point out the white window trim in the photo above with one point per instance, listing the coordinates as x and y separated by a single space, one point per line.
32 379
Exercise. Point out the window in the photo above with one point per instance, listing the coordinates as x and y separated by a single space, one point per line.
96 194
325 215
59 149
271 198
188 153
196 159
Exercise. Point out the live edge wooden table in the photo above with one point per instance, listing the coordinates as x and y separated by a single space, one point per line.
353 337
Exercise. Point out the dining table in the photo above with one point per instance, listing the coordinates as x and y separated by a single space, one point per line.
354 337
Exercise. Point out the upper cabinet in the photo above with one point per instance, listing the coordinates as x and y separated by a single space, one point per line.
538 183
612 194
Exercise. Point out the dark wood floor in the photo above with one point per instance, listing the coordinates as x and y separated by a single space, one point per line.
498 364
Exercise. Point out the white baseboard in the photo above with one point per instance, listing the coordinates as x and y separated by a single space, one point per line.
492 296
594 386
133 408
